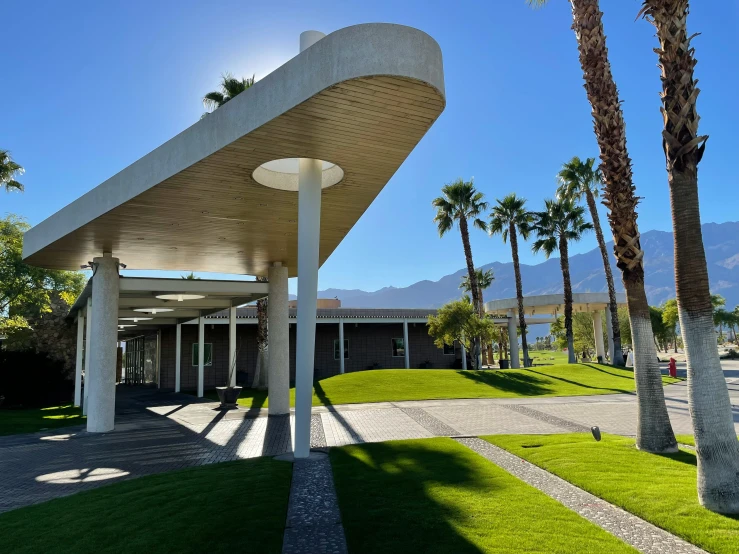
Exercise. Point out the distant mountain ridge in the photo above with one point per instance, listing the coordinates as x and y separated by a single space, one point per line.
721 241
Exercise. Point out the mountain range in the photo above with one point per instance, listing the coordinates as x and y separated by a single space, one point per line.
721 241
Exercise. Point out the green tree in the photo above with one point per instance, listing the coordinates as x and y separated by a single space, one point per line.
459 321
9 170
230 87
671 317
577 180
661 332
189 277
561 223
507 219
461 202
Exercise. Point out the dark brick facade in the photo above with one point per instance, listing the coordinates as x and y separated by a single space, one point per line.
370 344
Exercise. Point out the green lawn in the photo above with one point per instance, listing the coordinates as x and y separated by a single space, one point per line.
437 496
39 419
393 385
230 507
687 439
659 489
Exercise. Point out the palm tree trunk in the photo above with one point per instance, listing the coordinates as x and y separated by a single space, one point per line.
618 357
654 431
474 289
564 262
261 373
519 293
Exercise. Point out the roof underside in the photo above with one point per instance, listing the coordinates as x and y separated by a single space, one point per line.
362 98
553 304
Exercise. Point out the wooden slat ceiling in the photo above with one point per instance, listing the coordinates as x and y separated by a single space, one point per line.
214 217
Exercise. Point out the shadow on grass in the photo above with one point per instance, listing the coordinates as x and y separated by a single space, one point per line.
519 383
616 373
578 384
399 509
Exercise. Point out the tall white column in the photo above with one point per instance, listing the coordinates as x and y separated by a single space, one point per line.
78 361
405 345
232 345
278 382
609 333
513 341
201 355
598 331
341 346
88 332
464 355
178 358
104 338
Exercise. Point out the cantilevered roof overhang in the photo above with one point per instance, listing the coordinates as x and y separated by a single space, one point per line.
361 98
554 304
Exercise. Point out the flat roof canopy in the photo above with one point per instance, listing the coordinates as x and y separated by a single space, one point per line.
361 98
554 304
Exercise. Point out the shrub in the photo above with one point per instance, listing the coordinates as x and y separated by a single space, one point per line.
29 379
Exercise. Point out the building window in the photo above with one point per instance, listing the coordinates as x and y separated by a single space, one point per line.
398 348
207 357
448 349
336 349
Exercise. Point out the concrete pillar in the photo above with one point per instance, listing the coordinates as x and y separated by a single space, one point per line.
103 340
513 341
341 346
598 331
159 359
88 332
278 363
79 358
405 344
201 355
464 354
232 346
609 333
178 357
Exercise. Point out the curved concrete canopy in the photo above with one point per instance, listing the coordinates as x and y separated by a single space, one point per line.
553 304
362 97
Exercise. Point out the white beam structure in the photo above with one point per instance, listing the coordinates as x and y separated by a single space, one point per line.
201 356
88 332
232 345
178 358
104 338
278 382
341 347
598 332
513 340
609 334
79 358
406 351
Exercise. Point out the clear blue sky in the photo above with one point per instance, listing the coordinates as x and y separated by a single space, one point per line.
90 87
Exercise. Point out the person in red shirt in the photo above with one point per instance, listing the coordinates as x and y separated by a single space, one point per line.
672 367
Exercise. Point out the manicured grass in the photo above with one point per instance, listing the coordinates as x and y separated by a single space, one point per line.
39 419
230 507
659 489
687 439
394 385
435 495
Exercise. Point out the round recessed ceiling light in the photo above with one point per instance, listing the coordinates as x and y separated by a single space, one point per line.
121 327
135 319
180 297
153 310
283 174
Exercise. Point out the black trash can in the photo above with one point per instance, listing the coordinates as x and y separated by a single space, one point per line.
600 359
503 364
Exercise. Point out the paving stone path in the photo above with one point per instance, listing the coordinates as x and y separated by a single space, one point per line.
640 534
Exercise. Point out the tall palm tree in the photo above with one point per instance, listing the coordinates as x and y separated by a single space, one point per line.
508 218
230 87
9 170
460 202
577 180
654 432
708 397
560 223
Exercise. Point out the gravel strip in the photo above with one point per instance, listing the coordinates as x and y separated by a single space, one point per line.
553 420
317 435
313 518
430 423
640 534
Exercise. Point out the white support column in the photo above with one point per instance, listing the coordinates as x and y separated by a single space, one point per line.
341 346
513 341
609 333
177 357
78 361
405 344
201 355
464 355
598 332
88 332
278 382
104 338
159 359
232 345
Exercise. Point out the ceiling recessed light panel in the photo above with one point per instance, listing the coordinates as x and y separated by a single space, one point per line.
180 297
283 174
153 310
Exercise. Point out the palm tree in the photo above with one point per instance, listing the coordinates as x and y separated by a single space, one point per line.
708 397
9 170
189 277
230 87
484 280
460 202
560 223
654 431
509 218
578 179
